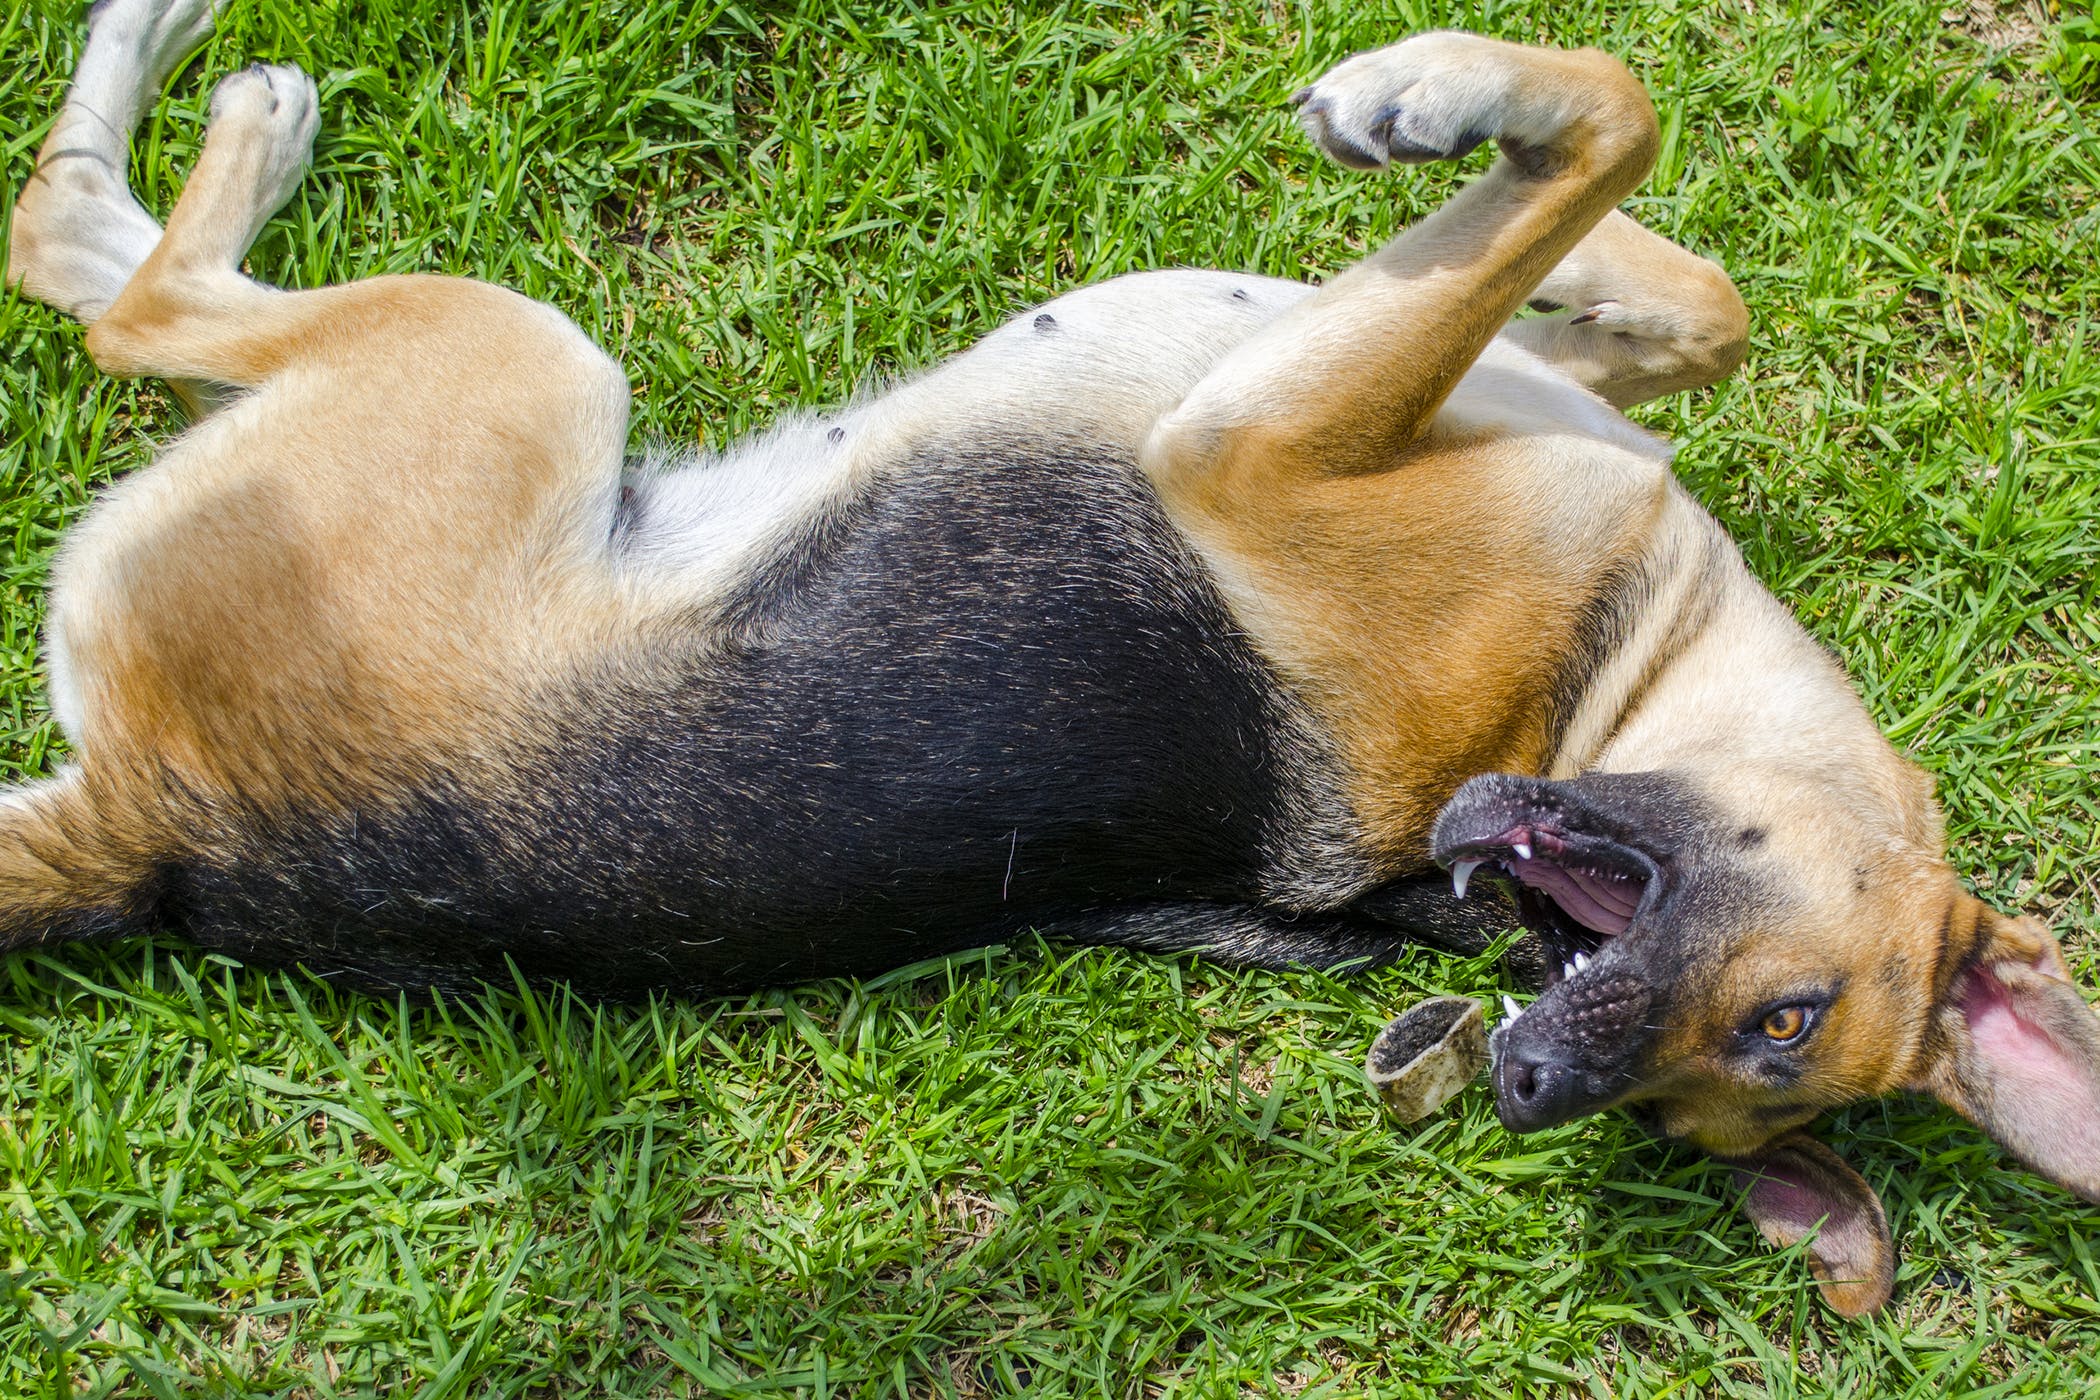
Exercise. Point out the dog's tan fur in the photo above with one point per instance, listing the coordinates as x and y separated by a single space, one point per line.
1362 473
1355 523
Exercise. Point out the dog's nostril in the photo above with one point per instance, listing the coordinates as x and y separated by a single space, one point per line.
1536 1093
1541 1086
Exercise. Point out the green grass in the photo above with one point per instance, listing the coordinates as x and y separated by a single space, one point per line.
1072 1173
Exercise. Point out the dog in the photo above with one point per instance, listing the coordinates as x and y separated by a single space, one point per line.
1192 610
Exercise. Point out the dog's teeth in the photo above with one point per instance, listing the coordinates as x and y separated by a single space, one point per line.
1567 970
1582 960
1523 850
1510 1008
1461 872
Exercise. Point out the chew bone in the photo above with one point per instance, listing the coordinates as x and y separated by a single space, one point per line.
1427 1054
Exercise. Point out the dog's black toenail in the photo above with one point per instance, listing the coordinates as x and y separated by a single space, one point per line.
1351 154
835 436
1413 152
1046 322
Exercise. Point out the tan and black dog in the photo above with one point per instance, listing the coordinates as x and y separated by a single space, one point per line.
1192 610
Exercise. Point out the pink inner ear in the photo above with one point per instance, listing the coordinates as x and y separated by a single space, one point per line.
1788 1201
1797 1186
2010 1042
2012 1045
2043 1100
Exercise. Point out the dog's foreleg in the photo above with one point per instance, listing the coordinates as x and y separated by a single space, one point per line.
1367 539
1636 316
1349 380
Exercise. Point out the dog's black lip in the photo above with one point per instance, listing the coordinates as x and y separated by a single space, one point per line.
1574 846
1562 935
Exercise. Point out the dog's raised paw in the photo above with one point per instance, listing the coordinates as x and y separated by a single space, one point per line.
156 35
273 110
1432 97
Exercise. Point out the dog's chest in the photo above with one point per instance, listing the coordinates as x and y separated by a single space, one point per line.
1095 367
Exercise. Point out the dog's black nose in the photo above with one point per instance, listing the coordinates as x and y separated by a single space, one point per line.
1533 1092
1573 1051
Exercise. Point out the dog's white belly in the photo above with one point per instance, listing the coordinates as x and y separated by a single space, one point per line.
1095 367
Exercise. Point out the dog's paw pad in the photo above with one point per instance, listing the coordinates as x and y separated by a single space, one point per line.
1333 133
277 101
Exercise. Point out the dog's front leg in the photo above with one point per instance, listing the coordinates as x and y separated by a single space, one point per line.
1635 317
1349 381
1419 577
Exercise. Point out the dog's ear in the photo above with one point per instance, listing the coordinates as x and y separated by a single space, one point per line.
2018 1054
1795 1187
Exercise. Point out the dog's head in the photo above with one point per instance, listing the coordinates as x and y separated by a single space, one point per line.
1728 967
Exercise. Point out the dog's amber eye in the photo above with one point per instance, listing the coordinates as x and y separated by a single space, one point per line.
1786 1023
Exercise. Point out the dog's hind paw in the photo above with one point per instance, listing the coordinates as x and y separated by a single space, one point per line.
272 112
150 38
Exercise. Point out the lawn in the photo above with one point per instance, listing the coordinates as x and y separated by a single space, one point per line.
1038 1169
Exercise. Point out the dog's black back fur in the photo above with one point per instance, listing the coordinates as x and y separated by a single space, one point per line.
994 691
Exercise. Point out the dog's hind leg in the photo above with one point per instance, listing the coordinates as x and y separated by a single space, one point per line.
1633 316
404 518
412 502
362 562
187 310
78 233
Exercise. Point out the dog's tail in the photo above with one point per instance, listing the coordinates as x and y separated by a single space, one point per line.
73 863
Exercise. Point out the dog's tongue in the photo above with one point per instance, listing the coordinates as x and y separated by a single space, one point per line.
1601 903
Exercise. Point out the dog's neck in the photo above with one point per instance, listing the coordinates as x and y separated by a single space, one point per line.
1719 682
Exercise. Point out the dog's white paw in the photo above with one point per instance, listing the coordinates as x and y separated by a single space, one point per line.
1432 97
273 111
153 36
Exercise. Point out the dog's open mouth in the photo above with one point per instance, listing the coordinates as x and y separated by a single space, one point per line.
1575 891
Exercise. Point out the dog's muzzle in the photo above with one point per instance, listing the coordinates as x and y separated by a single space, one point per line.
1571 1052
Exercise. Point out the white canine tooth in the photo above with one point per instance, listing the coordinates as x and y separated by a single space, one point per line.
1510 1008
1461 872
1582 960
1567 970
1523 850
